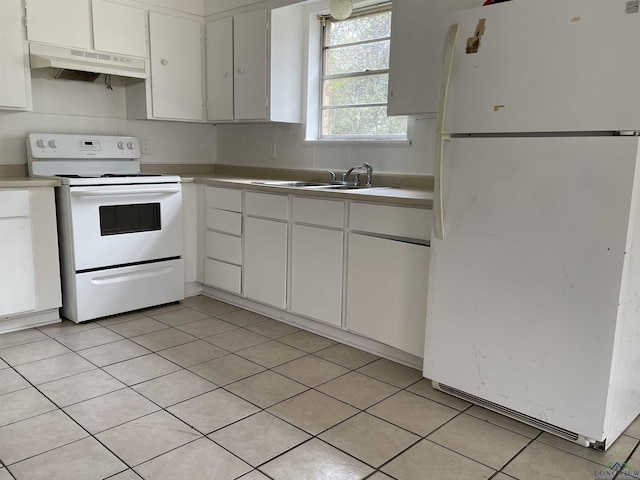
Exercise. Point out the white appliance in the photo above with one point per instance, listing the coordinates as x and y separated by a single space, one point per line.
534 283
120 232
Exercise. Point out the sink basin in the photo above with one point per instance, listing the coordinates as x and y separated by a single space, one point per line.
281 183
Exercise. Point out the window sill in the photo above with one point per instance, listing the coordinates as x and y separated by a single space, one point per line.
360 143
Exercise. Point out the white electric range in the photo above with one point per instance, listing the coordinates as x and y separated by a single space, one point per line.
120 231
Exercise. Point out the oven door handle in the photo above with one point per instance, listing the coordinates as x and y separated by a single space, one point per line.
101 193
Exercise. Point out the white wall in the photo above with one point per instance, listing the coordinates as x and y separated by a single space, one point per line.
63 106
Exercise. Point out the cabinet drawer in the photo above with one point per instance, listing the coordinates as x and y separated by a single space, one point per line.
327 213
222 275
404 222
224 198
224 221
14 203
267 205
224 247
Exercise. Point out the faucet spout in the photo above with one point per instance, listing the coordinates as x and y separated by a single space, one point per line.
359 168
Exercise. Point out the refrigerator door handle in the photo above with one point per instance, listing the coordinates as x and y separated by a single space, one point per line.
441 134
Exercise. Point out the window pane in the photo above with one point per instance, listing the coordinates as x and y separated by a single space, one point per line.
362 122
356 90
359 29
357 58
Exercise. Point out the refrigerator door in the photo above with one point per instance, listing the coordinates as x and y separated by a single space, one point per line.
546 66
524 291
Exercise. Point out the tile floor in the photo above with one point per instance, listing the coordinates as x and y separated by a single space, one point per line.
204 390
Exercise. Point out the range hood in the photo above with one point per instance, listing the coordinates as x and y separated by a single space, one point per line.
85 65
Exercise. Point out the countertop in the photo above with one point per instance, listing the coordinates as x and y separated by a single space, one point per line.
27 182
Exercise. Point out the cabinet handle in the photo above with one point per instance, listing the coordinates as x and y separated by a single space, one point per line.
225 74
241 71
164 61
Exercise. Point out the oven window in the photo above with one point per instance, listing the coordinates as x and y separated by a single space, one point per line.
121 219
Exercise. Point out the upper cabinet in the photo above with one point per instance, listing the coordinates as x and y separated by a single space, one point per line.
418 33
119 29
254 66
15 81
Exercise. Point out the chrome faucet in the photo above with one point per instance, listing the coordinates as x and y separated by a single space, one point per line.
366 167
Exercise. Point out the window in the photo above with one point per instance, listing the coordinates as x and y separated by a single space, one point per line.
355 77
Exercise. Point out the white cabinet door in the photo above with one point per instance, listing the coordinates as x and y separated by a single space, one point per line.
418 32
15 80
176 67
265 261
250 63
387 291
59 22
220 69
316 273
119 28
17 280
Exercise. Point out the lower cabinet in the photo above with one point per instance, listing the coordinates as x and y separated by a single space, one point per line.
265 261
387 291
316 273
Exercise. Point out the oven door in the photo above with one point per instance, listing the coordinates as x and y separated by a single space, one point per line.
116 225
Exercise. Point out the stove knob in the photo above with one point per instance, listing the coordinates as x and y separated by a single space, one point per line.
130 145
40 143
121 145
53 143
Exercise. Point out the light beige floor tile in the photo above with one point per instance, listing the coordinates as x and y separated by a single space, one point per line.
503 421
167 338
207 327
89 338
633 464
174 387
110 410
195 300
215 307
346 356
32 352
238 339
67 327
113 353
23 404
307 341
271 354
379 476
169 307
138 326
496 448
126 475
254 475
272 328
3 364
5 475
80 387
85 459
212 411
310 370
413 412
315 460
502 476
369 439
10 381
428 460
259 438
391 372
242 318
539 461
312 411
620 450
357 390
141 369
140 440
632 430
122 317
192 353
266 388
36 435
54 368
227 369
20 337
179 317
424 389
199 460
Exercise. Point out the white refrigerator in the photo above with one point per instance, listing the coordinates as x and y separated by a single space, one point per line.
533 306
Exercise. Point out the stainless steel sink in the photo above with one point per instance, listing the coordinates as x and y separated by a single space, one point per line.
350 187
284 183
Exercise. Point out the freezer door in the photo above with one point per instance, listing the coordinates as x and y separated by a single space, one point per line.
546 65
524 289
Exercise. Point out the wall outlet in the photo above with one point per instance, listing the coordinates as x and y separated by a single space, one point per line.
145 147
272 150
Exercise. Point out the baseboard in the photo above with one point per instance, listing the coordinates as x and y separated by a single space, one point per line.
29 320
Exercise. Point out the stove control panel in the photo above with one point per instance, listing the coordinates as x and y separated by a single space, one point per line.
65 146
